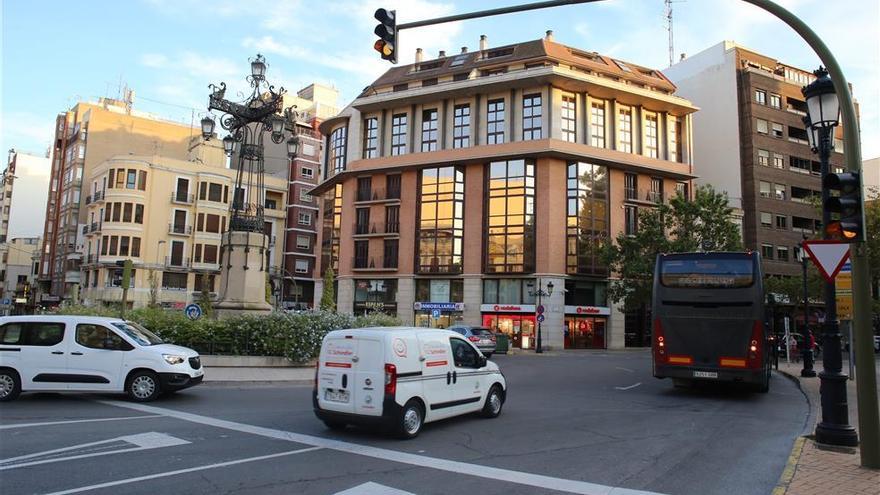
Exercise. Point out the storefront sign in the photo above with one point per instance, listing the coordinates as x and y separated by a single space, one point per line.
508 308
441 306
385 307
587 310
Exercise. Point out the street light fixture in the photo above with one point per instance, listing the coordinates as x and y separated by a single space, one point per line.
228 145
258 67
207 127
540 293
292 146
824 112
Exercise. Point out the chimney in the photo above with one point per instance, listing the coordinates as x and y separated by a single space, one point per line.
683 56
418 55
464 49
549 35
484 43
442 53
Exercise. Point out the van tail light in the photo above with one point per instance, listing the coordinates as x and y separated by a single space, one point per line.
756 346
474 338
390 379
660 354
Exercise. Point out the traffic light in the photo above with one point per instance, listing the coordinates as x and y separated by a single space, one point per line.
386 30
846 206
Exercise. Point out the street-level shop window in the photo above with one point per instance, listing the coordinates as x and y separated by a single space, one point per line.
585 293
507 291
440 290
375 296
114 278
174 281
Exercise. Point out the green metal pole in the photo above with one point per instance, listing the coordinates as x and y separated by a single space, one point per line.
866 374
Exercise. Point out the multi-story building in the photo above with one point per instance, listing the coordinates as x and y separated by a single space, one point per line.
18 271
315 103
86 135
871 178
166 215
28 174
750 140
454 187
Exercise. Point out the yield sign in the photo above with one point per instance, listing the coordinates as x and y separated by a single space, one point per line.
829 256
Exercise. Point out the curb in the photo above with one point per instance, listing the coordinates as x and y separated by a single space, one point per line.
255 383
813 412
790 466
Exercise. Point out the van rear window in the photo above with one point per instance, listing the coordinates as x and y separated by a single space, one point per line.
710 273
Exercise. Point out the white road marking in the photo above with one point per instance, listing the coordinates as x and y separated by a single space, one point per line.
141 441
625 369
181 471
629 387
466 468
74 421
373 489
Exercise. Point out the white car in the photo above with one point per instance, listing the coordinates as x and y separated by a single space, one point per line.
399 378
90 354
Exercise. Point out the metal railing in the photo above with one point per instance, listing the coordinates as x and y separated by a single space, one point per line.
182 197
177 262
377 194
374 263
377 228
174 228
438 264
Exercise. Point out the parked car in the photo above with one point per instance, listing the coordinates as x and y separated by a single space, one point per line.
91 354
482 337
401 378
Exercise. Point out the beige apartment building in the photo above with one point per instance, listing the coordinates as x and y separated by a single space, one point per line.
18 270
454 187
166 215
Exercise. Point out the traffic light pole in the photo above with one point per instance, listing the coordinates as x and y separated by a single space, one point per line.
866 374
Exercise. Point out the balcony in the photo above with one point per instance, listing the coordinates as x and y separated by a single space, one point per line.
176 229
90 259
95 227
643 196
85 229
181 197
98 196
374 264
377 229
178 262
377 196
438 264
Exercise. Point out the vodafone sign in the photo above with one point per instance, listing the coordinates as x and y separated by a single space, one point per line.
588 310
507 308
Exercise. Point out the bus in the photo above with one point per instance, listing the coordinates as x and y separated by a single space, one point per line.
708 315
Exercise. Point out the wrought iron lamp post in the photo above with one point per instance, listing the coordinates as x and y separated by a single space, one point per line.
824 113
540 293
806 349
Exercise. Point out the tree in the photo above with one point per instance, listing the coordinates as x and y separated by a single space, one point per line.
872 240
682 225
328 295
154 290
205 297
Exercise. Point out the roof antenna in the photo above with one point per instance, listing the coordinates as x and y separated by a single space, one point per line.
668 15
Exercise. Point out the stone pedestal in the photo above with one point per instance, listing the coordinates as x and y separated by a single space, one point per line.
243 275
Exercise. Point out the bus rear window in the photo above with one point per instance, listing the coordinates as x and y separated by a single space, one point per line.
717 273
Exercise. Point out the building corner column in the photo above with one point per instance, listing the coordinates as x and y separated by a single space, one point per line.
473 295
406 294
616 328
345 296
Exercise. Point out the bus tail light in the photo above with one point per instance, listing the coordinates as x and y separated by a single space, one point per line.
390 379
659 342
756 345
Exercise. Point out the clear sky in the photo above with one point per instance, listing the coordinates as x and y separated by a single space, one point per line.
55 53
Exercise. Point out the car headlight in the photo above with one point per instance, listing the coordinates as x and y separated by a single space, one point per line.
173 359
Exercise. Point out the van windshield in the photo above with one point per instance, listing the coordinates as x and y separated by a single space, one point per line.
140 334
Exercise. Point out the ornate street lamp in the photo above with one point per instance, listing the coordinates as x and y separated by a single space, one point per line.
824 113
207 127
540 293
292 147
228 145
258 67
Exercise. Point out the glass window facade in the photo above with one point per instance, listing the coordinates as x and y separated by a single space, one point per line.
495 116
375 296
510 217
461 126
532 114
597 124
624 132
441 220
587 217
332 226
398 134
651 135
429 130
371 137
336 152
569 118
507 291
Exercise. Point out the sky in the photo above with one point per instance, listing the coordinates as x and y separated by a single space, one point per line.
55 53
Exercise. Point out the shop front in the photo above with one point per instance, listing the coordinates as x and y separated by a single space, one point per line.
517 321
438 314
375 296
585 327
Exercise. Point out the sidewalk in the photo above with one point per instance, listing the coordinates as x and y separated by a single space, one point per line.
817 469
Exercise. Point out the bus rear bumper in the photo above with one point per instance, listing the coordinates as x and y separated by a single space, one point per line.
710 374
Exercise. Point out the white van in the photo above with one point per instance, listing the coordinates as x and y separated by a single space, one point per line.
90 354
400 378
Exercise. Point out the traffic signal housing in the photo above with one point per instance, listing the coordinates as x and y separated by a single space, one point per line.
845 204
386 30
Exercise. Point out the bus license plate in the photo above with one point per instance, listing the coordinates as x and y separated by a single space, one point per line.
705 374
336 396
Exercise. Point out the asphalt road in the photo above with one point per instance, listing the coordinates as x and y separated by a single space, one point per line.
574 422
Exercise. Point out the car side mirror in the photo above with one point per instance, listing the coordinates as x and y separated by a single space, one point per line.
481 361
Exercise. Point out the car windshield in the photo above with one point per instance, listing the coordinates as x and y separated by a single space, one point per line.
140 334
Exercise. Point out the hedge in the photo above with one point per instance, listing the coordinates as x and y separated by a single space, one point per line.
296 336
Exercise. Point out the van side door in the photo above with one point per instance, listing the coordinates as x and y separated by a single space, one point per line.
435 356
96 357
467 382
38 351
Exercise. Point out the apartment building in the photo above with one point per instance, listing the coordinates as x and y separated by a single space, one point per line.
750 140
454 187
167 215
27 175
18 270
87 135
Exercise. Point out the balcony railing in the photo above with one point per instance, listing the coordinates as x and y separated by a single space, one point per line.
95 227
643 195
98 196
374 263
182 198
364 195
85 229
177 262
438 264
179 229
377 228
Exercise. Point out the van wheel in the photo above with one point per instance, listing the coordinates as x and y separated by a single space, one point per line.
10 385
411 420
494 403
335 425
143 386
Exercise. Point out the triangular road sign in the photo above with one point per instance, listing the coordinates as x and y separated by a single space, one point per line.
829 256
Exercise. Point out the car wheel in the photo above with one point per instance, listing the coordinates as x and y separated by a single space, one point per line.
335 425
10 385
143 386
494 403
411 420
